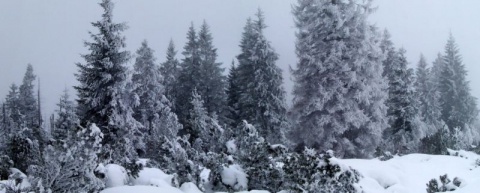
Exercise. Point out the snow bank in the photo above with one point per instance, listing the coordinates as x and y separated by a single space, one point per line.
189 187
234 176
142 189
115 175
152 177
411 173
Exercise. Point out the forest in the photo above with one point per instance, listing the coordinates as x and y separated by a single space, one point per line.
230 130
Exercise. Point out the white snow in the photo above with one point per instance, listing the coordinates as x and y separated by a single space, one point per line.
152 177
234 176
189 187
142 189
116 175
231 146
411 173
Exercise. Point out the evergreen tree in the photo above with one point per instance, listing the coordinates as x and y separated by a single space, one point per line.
233 95
148 87
459 108
262 98
153 108
27 101
404 130
200 70
71 167
211 81
339 91
206 133
427 95
13 109
67 119
188 75
169 70
103 93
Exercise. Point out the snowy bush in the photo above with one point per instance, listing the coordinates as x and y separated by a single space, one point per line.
311 172
447 185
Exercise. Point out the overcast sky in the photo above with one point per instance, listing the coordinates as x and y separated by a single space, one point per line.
49 34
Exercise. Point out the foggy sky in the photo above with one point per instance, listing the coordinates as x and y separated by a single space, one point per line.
49 34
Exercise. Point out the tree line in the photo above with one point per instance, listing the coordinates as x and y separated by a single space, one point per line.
353 94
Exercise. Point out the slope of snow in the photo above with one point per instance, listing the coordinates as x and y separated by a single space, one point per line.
411 173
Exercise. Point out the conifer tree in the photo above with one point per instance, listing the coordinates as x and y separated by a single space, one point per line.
67 119
188 75
103 93
206 133
212 81
338 91
427 95
13 109
404 132
200 70
262 98
169 70
459 108
233 95
27 101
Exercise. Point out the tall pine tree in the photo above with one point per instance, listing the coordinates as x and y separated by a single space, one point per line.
459 107
339 91
427 95
170 70
26 97
403 133
262 98
200 70
103 97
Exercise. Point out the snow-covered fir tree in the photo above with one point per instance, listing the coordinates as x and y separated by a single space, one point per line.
103 97
405 127
147 86
212 81
233 95
14 116
66 117
427 97
188 75
71 167
339 91
169 70
200 70
205 131
261 98
459 108
27 100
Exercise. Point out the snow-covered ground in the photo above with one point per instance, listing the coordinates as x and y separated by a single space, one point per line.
401 174
411 173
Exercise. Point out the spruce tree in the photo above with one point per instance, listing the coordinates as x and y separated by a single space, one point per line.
169 70
459 108
153 108
188 75
103 94
262 98
200 70
27 101
13 109
211 81
233 95
427 97
206 133
67 119
403 133
339 91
